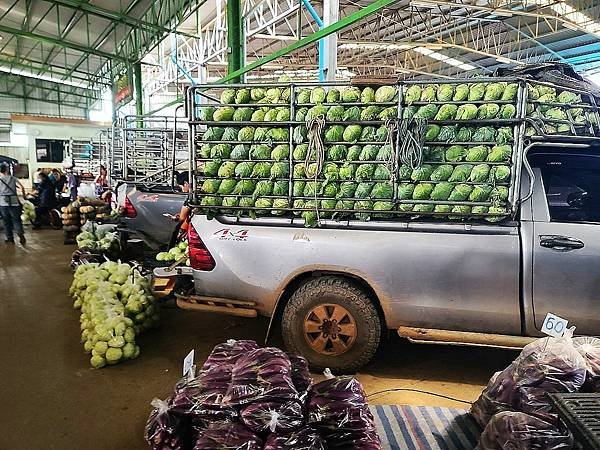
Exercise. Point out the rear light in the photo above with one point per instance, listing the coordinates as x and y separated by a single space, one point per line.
200 257
128 209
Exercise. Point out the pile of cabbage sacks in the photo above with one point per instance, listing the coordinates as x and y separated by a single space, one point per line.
251 398
515 408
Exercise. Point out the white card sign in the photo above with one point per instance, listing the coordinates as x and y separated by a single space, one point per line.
554 326
188 362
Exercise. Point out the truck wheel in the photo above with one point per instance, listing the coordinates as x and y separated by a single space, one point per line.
332 323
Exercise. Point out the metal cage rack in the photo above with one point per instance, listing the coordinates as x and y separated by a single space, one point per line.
88 154
521 124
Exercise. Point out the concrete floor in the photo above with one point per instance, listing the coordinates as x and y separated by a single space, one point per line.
52 399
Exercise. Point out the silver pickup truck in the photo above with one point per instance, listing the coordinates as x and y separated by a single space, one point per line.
334 290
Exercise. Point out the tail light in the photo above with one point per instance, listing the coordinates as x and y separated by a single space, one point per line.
200 257
128 208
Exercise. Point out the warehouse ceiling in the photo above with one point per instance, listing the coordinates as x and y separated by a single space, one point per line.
69 50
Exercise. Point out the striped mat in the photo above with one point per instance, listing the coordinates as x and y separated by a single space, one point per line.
424 428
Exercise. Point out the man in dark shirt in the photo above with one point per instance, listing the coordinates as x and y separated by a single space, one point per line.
46 199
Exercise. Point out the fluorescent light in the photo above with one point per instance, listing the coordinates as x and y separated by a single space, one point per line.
444 58
40 76
374 46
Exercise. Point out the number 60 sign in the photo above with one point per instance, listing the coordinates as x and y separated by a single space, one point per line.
554 326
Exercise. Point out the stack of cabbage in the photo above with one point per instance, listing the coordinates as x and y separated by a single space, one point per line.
175 254
254 158
558 111
28 215
116 304
99 238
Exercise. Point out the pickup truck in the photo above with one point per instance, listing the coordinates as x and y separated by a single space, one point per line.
336 289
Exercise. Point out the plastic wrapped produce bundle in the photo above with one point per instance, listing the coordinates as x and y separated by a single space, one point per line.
227 436
273 416
300 374
520 431
164 430
185 395
589 348
305 439
228 352
545 366
356 440
263 374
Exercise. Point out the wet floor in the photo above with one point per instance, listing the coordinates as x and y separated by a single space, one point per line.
51 399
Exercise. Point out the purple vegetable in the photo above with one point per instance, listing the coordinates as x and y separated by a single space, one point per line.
520 431
228 353
185 396
165 430
356 440
300 374
227 436
261 375
545 366
273 416
304 439
589 348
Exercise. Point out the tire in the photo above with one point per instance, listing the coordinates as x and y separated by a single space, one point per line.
329 297
55 219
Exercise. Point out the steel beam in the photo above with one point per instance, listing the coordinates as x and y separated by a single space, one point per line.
331 14
139 98
235 37
40 99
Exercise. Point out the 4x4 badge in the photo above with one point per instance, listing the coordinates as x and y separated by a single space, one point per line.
226 234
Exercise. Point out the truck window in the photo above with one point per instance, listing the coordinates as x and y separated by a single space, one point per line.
572 184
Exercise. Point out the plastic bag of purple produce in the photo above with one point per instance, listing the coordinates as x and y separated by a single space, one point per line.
165 430
228 353
281 417
261 375
227 436
589 348
300 374
356 440
185 395
304 439
544 366
520 431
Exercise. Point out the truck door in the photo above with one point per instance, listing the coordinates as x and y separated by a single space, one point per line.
566 239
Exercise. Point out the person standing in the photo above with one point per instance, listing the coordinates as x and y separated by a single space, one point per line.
10 206
46 200
58 179
73 184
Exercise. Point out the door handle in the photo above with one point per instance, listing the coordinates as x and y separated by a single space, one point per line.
561 243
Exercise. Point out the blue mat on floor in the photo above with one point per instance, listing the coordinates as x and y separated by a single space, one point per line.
424 428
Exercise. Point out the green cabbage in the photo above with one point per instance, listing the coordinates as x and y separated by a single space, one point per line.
263 188
456 153
422 191
445 92
363 205
477 154
480 193
336 153
312 188
500 153
344 205
209 200
363 190
331 172
480 173
263 204
260 151
206 113
484 134
442 209
532 92
432 132
468 111
381 134
278 134
303 96
385 153
385 94
476 92
280 170
383 206
404 172
281 188
300 134
499 194
369 153
312 170
427 112
316 111
434 154
442 191
260 134
261 170
429 93
412 94
334 133
227 186
224 113
370 113
462 93
350 94
447 133
354 152
381 172
227 169
556 113
569 97
504 135
460 193
347 171
364 172
508 112
500 173
382 191
409 112
335 113
488 111
204 152
213 134
333 96
352 114
211 168
245 134
346 189
388 113
230 134
442 172
210 186
405 191
283 114
280 205
510 92
367 134
242 96
464 134
422 173
229 201
301 114
447 112
271 115
227 96
462 210
497 214
257 94
352 133
494 91
220 151
461 173
367 95
273 95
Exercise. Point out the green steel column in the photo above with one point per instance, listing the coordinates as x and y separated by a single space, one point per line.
235 37
137 80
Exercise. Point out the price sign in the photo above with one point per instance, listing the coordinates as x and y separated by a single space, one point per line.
554 326
188 362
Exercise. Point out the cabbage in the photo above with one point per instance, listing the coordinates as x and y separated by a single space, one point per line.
488 111
423 208
257 94
556 113
303 96
363 205
404 172
208 200
422 191
429 93
568 97
331 172
329 191
463 210
480 193
510 92
334 133
316 111
220 151
206 113
245 134
369 153
347 171
461 93
500 153
532 92
213 134
364 172
409 112
318 95
311 189
204 152
211 168
494 91
412 94
467 111
263 188
422 173
298 188
300 152
227 169
363 190
260 151
367 95
476 92
445 92
367 134
283 114
381 134
480 173
447 133
300 134
336 153
280 152
351 133
260 134
333 96
227 186
261 170
370 113
464 134
350 94
442 191
381 172
382 191
460 193
461 173
477 154
273 95
244 169
385 153
427 112
432 132
500 173
388 113
347 190
443 173
447 112
455 153
279 134
228 96
224 113
354 152
242 96
352 114
405 191
499 194
385 94
301 114
507 112
299 171
280 170
335 113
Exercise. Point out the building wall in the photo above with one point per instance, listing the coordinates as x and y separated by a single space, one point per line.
26 129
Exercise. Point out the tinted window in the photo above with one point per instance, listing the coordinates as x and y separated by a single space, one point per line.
50 150
572 183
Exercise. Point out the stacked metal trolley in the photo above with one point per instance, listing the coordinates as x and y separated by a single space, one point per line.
224 184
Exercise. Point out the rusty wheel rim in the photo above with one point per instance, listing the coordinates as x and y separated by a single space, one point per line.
329 329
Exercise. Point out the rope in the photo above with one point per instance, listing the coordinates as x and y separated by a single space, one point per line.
413 137
314 129
391 162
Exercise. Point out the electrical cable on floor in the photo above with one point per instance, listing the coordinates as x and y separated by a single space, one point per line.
419 391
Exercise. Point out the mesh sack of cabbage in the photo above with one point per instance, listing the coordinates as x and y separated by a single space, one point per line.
116 304
338 409
165 430
99 238
178 253
520 431
548 365
227 436
304 439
